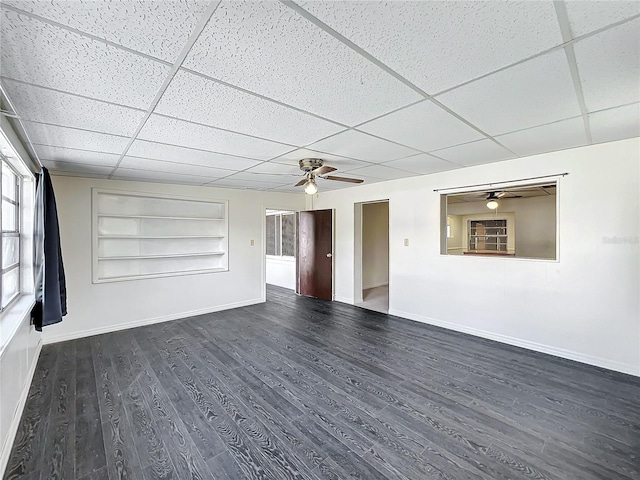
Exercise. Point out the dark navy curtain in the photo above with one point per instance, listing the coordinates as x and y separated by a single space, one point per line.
50 284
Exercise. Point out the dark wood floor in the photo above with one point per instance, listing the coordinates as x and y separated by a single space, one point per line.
299 388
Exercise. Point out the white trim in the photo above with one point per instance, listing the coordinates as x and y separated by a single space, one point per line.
536 347
147 321
17 416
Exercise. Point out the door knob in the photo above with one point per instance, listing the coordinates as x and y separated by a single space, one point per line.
329 255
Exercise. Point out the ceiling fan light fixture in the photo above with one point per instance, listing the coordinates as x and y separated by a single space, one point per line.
492 201
311 188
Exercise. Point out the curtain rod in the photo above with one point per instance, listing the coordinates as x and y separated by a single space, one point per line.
506 181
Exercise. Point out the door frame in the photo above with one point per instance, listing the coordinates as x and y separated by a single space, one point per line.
263 273
357 248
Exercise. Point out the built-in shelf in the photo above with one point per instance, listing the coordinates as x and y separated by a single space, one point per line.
140 235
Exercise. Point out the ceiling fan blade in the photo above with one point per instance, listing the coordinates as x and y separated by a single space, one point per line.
501 194
323 170
344 179
301 182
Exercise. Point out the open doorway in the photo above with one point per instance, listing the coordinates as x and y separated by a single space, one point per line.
280 252
371 269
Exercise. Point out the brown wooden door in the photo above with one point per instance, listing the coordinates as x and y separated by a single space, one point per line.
315 250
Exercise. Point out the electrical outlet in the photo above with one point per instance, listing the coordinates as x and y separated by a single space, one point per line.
406 242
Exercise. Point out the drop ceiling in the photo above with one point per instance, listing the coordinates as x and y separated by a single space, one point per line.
232 94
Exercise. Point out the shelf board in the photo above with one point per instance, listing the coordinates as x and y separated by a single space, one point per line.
138 237
157 275
175 255
158 217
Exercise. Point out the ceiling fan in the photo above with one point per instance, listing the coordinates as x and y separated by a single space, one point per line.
315 168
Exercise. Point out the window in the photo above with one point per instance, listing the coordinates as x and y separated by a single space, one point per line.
281 233
517 221
10 192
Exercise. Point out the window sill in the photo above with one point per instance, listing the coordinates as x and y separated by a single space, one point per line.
13 317
279 259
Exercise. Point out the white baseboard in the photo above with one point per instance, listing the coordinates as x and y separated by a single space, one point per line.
147 321
375 285
517 342
343 300
15 421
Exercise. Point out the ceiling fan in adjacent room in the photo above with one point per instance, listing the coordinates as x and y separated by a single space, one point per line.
315 168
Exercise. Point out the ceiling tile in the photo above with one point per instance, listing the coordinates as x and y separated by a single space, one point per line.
136 163
288 189
441 44
49 106
262 178
74 138
609 66
57 154
159 29
42 54
336 161
194 98
361 146
172 153
546 138
242 184
267 48
382 172
178 132
585 17
424 126
60 173
159 177
532 93
615 124
422 164
475 153
276 168
76 167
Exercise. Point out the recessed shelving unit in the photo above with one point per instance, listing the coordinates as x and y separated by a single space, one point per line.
140 235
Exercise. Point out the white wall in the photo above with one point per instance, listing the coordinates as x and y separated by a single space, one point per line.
535 223
18 360
375 244
98 308
281 271
585 306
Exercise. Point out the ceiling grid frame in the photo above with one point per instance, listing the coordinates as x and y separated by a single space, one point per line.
320 24
202 23
567 46
567 36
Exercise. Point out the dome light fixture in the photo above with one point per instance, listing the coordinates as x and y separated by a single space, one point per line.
311 188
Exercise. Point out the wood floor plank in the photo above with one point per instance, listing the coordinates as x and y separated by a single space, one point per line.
123 462
27 451
59 452
299 388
